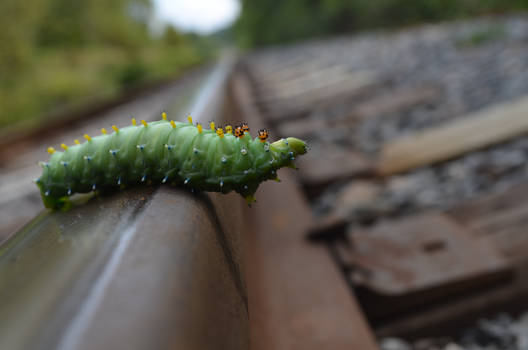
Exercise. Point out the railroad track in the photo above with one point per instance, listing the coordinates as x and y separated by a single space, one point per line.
417 175
165 267
140 269
414 194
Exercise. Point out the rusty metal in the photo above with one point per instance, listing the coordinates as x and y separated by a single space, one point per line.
146 268
297 298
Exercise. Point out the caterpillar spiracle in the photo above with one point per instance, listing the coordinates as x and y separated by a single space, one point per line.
170 152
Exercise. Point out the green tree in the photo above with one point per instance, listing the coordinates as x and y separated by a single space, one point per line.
121 23
18 28
267 22
58 53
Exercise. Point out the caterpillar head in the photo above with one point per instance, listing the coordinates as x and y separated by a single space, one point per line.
298 146
291 144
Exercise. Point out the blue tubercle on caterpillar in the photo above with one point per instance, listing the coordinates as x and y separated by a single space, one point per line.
216 159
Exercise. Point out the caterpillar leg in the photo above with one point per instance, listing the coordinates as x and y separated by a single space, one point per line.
61 203
250 199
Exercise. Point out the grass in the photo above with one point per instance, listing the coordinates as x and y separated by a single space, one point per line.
482 37
56 79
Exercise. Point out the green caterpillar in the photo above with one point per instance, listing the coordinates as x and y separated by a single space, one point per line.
166 152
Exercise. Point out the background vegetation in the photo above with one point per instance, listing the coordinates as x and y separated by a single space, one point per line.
62 53
267 22
58 54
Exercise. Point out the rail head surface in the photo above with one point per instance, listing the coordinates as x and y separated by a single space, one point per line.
148 268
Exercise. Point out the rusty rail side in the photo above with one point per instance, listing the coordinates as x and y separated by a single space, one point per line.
149 268
297 298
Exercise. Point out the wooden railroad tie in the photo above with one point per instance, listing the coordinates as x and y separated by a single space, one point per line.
478 130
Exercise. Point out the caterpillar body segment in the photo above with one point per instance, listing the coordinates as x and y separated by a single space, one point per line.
165 152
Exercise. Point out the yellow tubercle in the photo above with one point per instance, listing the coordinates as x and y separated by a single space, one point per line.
212 125
144 123
134 121
199 127
64 147
164 116
103 131
51 150
189 119
116 129
76 142
220 132
87 137
173 124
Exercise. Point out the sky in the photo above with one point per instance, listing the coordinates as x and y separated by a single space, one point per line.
201 16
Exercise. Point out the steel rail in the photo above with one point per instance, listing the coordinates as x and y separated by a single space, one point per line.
148 268
297 298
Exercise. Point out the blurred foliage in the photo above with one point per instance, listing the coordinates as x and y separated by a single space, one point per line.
56 54
267 22
482 36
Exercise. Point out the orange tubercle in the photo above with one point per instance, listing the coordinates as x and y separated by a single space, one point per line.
238 131
245 127
263 135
